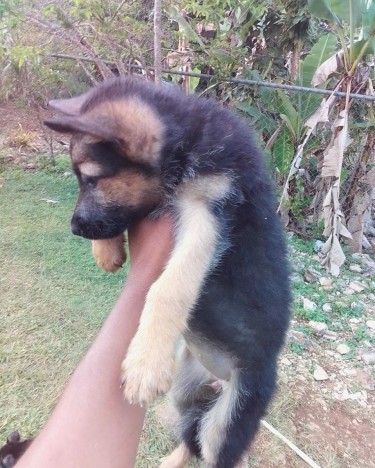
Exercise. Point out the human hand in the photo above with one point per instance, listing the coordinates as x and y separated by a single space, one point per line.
150 244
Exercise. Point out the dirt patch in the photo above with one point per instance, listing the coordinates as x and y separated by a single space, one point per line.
24 140
339 434
13 118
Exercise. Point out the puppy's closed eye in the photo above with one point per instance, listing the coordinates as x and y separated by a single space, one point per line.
90 181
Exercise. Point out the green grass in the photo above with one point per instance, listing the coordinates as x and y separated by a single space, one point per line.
53 298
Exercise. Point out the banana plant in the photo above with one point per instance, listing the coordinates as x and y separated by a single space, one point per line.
289 112
353 24
289 137
353 21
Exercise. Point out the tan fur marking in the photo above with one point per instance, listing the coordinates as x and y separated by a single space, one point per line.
244 463
79 147
131 189
215 422
150 364
208 188
179 458
109 253
90 169
134 122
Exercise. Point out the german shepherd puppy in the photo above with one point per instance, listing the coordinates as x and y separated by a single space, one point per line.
139 150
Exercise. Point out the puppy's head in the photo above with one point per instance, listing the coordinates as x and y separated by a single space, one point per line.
115 152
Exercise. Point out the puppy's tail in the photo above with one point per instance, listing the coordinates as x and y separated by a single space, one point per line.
228 427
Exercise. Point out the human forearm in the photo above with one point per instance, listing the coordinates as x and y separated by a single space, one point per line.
92 424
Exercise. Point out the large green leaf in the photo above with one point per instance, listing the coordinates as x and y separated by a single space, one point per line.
337 11
349 11
363 48
260 120
289 114
322 9
189 32
221 55
283 151
368 20
322 50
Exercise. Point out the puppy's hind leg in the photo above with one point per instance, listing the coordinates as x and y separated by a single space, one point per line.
229 427
179 458
192 394
109 253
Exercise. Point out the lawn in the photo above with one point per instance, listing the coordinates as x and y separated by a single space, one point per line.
53 297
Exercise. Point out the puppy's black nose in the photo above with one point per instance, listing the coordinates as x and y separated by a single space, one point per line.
76 225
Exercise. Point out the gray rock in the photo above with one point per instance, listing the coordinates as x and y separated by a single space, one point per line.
309 305
343 349
356 268
318 328
366 244
368 357
326 282
356 286
365 380
310 275
371 324
330 335
327 308
295 336
320 374
285 361
318 246
283 378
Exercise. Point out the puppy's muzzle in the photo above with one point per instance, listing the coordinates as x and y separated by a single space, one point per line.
92 228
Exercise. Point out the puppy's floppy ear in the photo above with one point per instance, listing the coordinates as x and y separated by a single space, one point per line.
82 123
129 122
71 106
73 121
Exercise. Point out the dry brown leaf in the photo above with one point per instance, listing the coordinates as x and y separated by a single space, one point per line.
337 257
328 67
328 198
334 153
361 203
344 231
333 255
321 114
327 213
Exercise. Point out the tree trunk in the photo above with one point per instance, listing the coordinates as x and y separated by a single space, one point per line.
157 40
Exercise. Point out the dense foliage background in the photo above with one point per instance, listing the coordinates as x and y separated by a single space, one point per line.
319 150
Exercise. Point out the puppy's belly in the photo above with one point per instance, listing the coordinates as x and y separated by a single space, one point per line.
218 362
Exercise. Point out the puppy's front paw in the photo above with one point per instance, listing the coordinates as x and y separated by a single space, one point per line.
146 376
109 253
